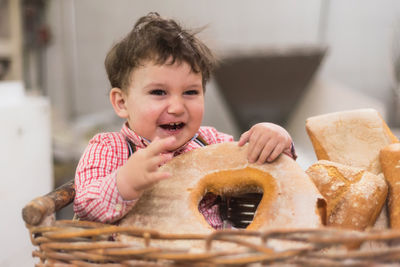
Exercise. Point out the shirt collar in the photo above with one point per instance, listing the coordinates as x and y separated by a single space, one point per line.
142 142
136 139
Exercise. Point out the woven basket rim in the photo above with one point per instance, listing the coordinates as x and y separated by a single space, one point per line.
82 242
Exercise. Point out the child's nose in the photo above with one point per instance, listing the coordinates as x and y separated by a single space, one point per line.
176 105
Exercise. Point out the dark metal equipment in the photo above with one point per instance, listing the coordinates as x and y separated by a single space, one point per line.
266 85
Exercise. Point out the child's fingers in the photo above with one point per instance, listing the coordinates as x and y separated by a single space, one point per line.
264 150
256 146
158 160
158 146
244 138
265 153
256 142
276 152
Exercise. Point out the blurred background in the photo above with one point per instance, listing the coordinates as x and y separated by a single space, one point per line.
282 61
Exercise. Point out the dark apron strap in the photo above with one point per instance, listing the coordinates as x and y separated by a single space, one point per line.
199 140
131 147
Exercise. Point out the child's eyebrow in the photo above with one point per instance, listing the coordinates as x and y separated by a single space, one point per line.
163 85
196 85
152 85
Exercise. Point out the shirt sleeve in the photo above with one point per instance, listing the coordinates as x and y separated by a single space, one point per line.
97 197
212 136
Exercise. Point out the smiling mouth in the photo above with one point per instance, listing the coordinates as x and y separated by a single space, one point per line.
172 126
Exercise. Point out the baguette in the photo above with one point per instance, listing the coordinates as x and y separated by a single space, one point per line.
390 161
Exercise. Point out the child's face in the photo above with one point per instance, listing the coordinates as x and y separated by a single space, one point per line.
165 100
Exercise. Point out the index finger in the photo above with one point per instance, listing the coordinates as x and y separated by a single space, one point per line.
244 138
158 146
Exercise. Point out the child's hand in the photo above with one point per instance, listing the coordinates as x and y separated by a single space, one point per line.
266 142
141 171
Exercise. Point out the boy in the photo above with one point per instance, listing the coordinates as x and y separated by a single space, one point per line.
158 74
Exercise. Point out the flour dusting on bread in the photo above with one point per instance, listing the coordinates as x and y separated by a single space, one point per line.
353 137
290 198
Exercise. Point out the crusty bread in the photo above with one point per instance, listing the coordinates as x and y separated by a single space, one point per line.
390 161
354 196
290 198
353 138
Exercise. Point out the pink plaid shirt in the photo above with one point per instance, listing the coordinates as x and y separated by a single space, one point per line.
97 197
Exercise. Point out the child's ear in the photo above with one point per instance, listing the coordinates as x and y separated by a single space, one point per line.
118 101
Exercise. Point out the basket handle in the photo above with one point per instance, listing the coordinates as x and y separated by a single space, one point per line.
35 211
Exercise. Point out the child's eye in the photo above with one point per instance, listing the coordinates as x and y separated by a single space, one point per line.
157 92
192 92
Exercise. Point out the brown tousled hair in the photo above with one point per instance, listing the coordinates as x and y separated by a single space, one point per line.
158 39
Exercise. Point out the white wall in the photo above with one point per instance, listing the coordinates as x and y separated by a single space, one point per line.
359 34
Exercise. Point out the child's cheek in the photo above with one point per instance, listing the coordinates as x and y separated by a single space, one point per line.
198 110
153 110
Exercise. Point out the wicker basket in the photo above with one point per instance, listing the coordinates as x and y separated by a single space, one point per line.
80 243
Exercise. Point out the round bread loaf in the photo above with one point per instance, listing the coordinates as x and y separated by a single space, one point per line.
290 199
